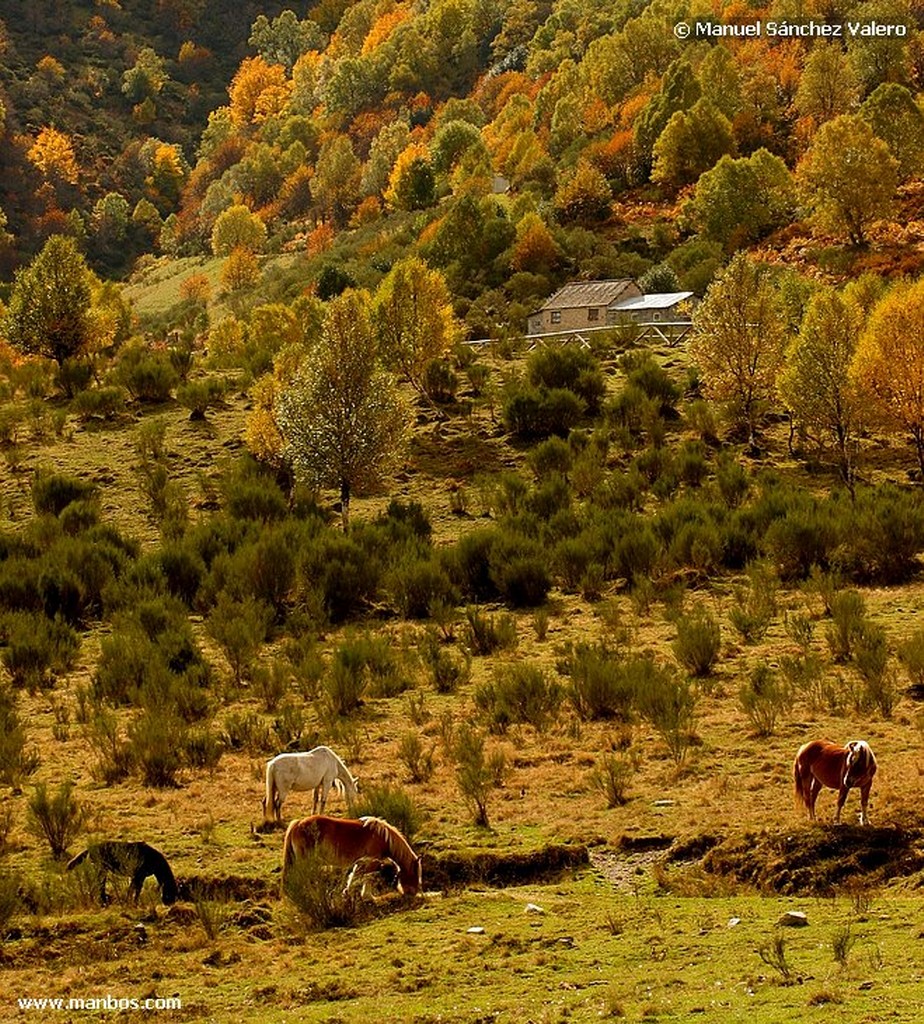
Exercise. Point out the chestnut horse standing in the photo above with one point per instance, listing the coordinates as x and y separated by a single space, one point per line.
822 763
344 841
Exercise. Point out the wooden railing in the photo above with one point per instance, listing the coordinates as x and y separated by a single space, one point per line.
667 332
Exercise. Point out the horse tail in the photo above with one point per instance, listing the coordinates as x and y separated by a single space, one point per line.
288 852
272 791
799 794
78 860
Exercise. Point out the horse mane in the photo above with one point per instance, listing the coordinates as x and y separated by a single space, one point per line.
398 847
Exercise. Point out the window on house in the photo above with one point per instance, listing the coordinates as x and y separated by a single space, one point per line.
556 316
656 316
593 314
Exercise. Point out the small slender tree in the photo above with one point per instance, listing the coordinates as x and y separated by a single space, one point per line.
739 338
342 417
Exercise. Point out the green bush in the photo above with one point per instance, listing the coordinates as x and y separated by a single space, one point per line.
519 693
147 375
182 569
486 634
570 368
247 730
37 648
239 628
416 757
157 740
668 703
53 492
106 403
113 753
882 536
549 457
418 585
763 699
317 893
392 803
474 774
755 605
448 672
16 761
58 818
848 620
199 395
698 642
612 776
911 655
601 684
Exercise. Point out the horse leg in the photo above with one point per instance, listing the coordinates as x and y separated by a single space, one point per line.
324 790
813 791
137 884
841 797
317 797
864 800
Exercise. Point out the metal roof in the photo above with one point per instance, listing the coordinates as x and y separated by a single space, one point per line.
657 300
588 293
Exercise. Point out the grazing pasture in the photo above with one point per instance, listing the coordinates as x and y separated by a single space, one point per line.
598 780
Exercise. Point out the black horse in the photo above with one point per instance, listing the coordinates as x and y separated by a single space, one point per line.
129 858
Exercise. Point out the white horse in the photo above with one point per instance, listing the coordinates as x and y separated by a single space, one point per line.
318 769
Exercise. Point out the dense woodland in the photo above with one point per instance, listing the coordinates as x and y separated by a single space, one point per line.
260 492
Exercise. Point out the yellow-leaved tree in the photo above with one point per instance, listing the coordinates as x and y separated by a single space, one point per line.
53 154
889 363
413 319
739 338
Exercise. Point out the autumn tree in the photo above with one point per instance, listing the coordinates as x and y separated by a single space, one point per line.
693 141
253 78
816 383
411 184
240 269
52 153
893 114
237 228
828 86
335 185
584 195
738 339
413 320
739 201
341 417
848 177
889 362
49 308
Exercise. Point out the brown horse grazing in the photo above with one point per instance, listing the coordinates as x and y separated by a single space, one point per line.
821 763
343 841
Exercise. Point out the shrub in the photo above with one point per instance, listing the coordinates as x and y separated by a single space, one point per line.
763 699
668 703
147 375
474 775
440 381
448 672
198 395
317 893
36 648
239 628
247 730
523 581
10 901
487 633
732 479
417 586
755 605
519 693
182 569
270 683
252 495
157 740
107 403
202 748
848 619
16 762
698 642
550 457
394 804
600 685
532 413
568 368
418 759
612 776
911 655
347 575
113 753
882 536
469 564
53 492
57 818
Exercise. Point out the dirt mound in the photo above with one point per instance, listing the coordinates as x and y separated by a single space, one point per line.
449 870
817 860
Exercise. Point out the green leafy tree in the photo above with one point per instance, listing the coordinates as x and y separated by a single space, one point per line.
342 417
413 319
679 92
816 384
284 39
896 118
739 201
335 185
237 228
49 309
146 78
739 338
848 177
693 141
